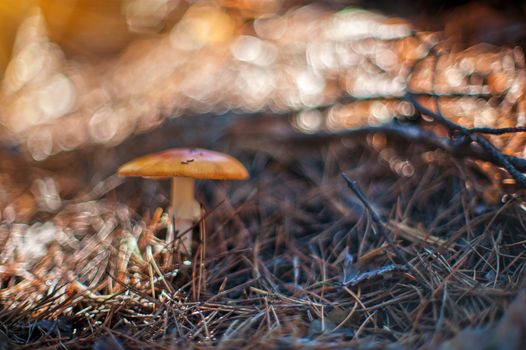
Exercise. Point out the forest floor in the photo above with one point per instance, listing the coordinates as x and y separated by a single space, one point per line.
292 257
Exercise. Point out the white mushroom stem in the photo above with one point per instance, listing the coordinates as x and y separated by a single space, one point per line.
186 210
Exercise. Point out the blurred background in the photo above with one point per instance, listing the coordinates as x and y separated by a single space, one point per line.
94 72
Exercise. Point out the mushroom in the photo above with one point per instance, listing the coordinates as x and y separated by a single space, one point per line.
184 165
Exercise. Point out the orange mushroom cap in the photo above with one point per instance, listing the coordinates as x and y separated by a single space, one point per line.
186 162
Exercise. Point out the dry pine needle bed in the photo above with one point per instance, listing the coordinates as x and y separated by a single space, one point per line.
292 258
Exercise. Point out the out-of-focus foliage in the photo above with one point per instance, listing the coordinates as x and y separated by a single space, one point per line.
11 15
95 72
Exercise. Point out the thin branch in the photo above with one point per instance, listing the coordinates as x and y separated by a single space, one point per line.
377 219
